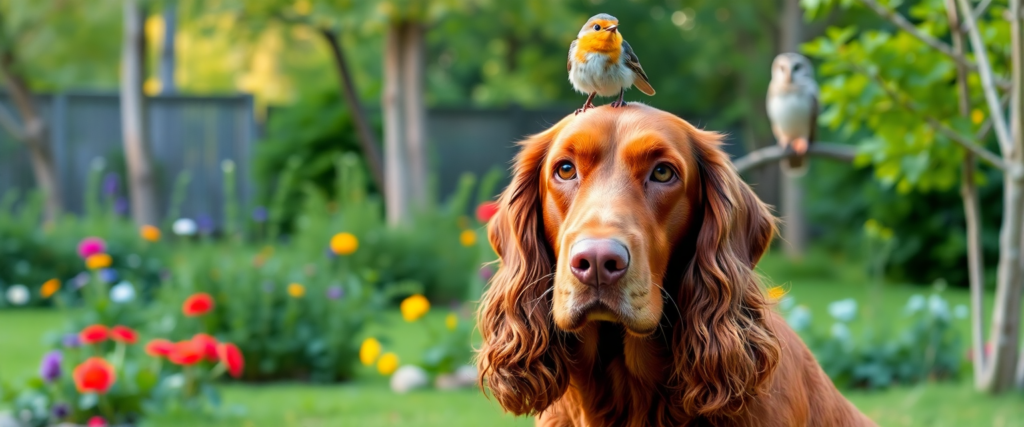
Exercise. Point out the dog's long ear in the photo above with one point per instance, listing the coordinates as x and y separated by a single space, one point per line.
521 361
725 350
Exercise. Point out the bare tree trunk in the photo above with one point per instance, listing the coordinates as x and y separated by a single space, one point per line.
367 137
33 134
415 113
395 166
794 222
141 180
972 211
1014 231
167 49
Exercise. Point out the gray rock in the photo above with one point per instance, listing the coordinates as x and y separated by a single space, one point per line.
409 378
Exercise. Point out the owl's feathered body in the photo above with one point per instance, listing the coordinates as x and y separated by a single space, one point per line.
792 105
602 63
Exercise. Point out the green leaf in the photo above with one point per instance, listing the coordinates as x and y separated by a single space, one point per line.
88 401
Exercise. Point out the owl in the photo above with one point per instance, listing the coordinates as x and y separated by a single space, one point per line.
793 108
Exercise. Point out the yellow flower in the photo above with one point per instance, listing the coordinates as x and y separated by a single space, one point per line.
977 116
414 307
302 7
467 238
344 244
387 364
296 290
150 233
776 293
369 351
49 288
451 321
98 261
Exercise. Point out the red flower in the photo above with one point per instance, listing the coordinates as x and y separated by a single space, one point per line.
486 210
97 421
94 334
232 358
124 334
197 305
159 348
186 353
95 375
208 344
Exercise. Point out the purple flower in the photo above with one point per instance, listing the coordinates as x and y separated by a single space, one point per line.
71 341
81 279
205 223
121 206
330 253
108 275
110 184
259 214
486 272
335 292
49 370
61 411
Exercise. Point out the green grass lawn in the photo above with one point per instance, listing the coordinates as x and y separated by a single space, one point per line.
368 401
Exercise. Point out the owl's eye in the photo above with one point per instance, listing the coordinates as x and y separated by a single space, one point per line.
796 67
597 27
662 173
566 171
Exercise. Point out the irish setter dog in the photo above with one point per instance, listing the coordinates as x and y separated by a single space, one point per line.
626 293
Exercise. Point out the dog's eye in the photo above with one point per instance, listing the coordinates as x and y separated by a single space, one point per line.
662 173
566 171
597 27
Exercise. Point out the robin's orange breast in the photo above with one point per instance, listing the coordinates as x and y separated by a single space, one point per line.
604 42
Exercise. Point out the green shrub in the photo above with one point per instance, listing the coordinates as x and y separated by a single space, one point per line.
927 348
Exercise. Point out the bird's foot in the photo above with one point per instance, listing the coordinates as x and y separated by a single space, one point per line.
617 104
586 107
800 145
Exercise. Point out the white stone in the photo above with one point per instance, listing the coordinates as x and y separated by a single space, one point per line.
409 378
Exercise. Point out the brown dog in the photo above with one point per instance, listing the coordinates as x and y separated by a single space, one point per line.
626 294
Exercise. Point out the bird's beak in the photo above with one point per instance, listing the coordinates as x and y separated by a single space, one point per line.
611 28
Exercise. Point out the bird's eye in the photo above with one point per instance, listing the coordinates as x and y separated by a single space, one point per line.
662 173
566 171
796 67
597 27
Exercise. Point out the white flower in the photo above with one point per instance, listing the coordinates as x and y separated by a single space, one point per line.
185 227
915 304
840 331
800 318
122 292
938 307
175 381
227 165
17 294
843 310
961 311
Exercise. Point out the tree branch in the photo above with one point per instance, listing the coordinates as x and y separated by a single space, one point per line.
937 125
987 78
978 11
774 153
905 25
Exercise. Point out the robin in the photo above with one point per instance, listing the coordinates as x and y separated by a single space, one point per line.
601 62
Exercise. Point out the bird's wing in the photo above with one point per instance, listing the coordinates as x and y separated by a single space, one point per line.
572 50
643 83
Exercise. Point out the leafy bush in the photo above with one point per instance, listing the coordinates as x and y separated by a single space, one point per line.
32 255
927 348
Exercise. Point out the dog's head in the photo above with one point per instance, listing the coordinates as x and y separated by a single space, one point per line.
612 215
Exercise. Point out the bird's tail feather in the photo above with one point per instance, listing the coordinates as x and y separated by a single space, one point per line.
795 166
644 87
